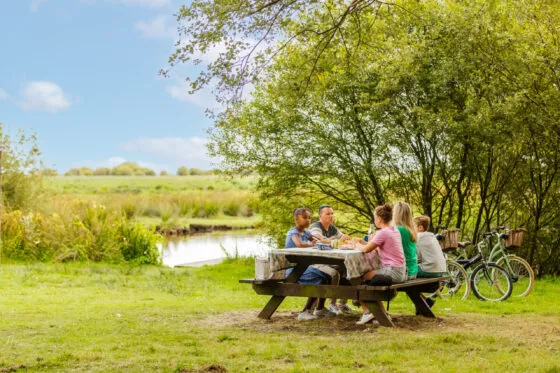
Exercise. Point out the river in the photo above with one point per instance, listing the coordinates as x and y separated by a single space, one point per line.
211 248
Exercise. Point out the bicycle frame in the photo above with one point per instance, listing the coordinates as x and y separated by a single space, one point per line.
499 251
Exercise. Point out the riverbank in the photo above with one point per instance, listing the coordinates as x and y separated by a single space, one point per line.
106 318
186 226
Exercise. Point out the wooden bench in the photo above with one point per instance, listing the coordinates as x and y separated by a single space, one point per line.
373 296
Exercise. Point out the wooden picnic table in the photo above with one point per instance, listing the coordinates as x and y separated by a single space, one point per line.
351 263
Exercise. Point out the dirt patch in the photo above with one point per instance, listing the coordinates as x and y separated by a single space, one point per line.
530 329
287 322
212 368
14 368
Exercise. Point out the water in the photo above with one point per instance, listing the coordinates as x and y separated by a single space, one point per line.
208 248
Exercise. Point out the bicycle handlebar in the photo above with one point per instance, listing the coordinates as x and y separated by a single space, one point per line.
499 228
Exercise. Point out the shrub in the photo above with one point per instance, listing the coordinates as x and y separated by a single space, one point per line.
139 244
182 171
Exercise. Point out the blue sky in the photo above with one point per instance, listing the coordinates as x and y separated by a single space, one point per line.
83 75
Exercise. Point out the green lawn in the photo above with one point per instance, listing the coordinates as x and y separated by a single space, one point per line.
103 318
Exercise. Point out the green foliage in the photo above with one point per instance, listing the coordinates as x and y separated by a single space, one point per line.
451 106
49 172
182 171
22 185
78 231
139 244
102 171
82 171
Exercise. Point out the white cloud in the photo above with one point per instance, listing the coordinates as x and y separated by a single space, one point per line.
43 96
188 151
34 6
147 3
3 94
157 28
203 98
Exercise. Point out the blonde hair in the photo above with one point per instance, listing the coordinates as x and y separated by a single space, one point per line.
402 215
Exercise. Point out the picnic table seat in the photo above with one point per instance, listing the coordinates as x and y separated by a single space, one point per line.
371 295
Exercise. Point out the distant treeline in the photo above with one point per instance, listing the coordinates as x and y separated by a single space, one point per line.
127 169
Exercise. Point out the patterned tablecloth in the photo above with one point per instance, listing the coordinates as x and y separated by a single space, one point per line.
355 261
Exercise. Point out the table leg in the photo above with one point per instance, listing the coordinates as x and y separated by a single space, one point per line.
420 302
380 314
276 300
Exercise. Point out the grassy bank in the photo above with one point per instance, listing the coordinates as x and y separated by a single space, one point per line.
99 318
168 201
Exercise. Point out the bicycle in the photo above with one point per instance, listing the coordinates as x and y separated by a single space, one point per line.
488 280
458 283
518 268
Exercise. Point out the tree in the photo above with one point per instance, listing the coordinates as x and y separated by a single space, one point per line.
182 171
196 171
453 106
49 172
163 173
251 34
102 171
21 176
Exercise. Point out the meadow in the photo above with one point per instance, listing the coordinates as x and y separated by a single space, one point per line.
91 317
167 201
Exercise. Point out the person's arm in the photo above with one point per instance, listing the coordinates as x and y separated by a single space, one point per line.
317 234
299 243
343 236
370 246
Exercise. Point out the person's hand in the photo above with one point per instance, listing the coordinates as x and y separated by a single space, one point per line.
345 237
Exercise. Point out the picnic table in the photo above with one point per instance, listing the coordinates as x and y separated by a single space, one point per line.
352 265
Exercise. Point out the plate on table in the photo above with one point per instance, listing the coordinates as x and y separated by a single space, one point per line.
324 246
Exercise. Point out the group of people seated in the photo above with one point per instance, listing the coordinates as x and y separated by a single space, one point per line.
400 250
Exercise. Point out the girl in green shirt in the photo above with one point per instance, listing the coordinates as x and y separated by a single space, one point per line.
402 218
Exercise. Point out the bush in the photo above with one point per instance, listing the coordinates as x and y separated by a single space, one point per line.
102 171
182 171
139 245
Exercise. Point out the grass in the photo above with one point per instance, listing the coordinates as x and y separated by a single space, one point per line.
99 318
168 201
80 185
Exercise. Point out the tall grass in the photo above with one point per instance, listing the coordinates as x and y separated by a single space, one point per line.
79 230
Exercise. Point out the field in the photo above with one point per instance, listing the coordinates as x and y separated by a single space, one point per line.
100 318
168 201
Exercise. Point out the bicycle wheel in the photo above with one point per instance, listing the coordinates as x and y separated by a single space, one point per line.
458 284
523 276
491 282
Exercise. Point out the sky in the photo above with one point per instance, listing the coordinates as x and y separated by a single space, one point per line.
83 75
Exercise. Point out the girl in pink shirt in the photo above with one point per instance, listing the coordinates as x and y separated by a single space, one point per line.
387 242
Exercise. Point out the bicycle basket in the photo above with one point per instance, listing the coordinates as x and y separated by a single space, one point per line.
451 239
515 238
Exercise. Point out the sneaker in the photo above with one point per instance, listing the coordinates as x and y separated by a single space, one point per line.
334 309
344 308
306 315
366 317
323 313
